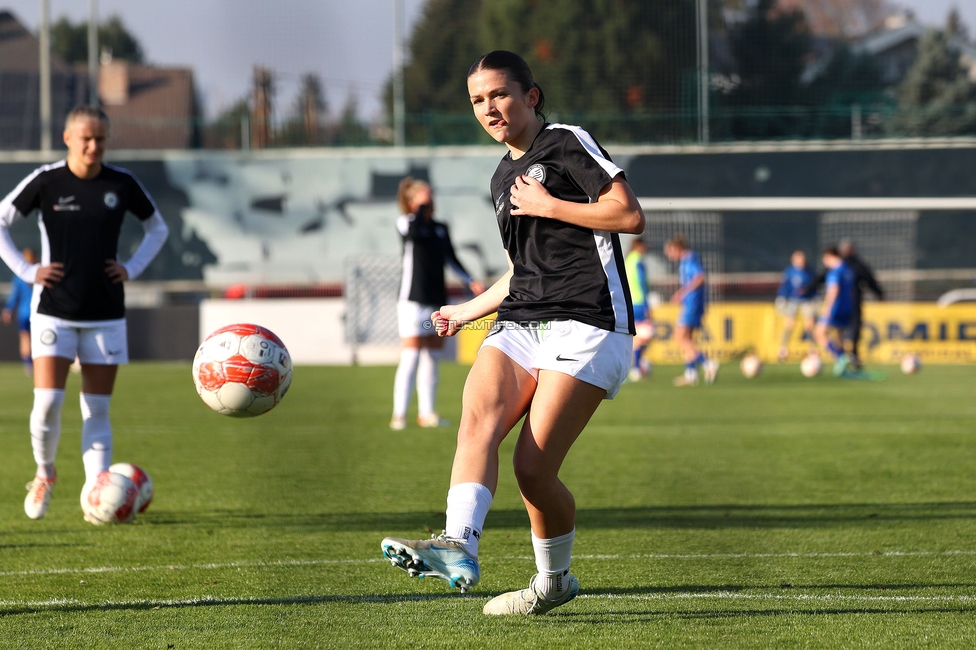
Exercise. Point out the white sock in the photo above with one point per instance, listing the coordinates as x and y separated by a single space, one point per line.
467 507
691 374
96 435
427 376
45 428
403 383
552 559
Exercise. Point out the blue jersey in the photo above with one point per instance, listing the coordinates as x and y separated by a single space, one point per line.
843 278
19 301
688 269
797 284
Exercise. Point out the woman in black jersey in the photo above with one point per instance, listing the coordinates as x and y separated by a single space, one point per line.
427 249
562 342
78 308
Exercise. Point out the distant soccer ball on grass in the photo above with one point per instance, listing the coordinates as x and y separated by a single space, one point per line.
242 370
111 500
910 363
811 365
751 365
142 481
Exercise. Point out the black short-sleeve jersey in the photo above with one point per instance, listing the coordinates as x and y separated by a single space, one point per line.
80 221
427 248
562 270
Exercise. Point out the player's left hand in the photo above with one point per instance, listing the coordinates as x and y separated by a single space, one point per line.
530 198
116 271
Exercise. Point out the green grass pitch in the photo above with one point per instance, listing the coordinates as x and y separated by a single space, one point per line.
772 512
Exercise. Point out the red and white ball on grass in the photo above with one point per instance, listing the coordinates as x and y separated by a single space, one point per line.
910 363
751 365
142 482
811 365
110 500
242 370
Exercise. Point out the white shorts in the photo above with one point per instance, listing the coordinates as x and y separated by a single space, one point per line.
588 353
102 345
413 319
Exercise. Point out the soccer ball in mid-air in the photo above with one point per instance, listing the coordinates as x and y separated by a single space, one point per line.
910 363
811 365
110 500
242 370
751 365
142 481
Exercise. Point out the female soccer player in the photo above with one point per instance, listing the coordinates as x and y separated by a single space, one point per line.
797 294
426 249
837 308
691 296
562 343
19 306
79 304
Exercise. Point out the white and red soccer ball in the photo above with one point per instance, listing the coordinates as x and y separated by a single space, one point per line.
141 480
110 500
910 363
242 370
811 365
751 365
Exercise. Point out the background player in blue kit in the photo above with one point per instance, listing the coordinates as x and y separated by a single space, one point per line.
19 307
691 296
837 309
797 294
643 323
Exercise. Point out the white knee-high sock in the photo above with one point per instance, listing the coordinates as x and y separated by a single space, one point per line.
552 559
403 382
96 435
428 372
467 507
45 428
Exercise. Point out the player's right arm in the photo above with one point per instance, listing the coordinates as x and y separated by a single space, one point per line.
24 199
451 318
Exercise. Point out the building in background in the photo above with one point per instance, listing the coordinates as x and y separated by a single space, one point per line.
149 107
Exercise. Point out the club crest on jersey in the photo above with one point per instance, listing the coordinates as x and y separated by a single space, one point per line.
537 172
111 200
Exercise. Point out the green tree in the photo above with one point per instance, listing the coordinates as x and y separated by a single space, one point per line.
936 97
70 40
770 49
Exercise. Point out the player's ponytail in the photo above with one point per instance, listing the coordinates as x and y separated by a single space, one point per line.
517 70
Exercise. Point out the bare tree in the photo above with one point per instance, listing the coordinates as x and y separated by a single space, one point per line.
841 18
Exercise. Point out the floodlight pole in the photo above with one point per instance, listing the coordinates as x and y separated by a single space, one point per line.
398 104
702 15
93 53
44 63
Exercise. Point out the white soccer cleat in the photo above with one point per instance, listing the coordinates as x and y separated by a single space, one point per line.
527 602
398 423
432 421
38 497
634 375
685 380
439 557
710 369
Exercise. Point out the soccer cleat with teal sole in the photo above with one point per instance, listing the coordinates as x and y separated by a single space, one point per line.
439 557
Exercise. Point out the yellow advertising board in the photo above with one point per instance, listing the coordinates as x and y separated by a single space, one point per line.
937 335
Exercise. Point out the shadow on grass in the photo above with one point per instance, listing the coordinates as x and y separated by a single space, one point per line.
717 516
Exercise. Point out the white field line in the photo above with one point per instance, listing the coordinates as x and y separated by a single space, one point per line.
663 597
639 556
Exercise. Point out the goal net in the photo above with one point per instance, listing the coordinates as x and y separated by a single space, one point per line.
703 231
885 241
371 291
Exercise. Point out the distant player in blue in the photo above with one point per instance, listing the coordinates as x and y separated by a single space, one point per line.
837 309
644 326
797 295
19 306
691 297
